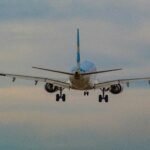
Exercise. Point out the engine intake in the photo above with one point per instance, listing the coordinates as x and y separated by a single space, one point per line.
50 88
116 89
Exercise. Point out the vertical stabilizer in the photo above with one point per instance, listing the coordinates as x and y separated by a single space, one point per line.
78 49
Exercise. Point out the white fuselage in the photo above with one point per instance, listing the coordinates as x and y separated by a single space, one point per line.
83 82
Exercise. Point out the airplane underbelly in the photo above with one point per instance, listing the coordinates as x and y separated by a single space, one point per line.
80 84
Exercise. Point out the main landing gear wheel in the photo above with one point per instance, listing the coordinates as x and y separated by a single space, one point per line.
57 97
100 98
106 98
63 97
103 96
60 96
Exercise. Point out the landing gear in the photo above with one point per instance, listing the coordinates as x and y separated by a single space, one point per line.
63 97
86 93
103 96
60 96
57 97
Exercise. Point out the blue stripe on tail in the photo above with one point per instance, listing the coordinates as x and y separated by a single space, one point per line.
78 38
78 49
78 57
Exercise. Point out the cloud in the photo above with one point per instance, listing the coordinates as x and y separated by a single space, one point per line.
16 9
81 121
34 43
116 11
114 34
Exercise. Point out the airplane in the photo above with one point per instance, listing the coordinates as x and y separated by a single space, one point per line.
82 77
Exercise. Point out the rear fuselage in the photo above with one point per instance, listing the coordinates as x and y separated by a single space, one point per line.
83 82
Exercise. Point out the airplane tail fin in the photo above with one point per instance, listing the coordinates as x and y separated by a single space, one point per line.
78 49
78 63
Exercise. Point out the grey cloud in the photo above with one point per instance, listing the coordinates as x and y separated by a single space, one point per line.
40 122
16 9
110 37
120 12
28 43
25 43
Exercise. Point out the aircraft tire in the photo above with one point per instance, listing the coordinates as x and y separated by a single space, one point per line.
106 98
100 98
57 97
87 93
63 97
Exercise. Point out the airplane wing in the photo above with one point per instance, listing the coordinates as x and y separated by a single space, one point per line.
58 83
107 84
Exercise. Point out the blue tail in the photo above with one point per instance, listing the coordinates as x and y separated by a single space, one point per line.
78 49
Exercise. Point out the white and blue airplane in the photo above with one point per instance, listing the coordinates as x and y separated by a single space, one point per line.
82 77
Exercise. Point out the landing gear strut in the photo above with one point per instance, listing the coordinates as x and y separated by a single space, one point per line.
103 96
61 96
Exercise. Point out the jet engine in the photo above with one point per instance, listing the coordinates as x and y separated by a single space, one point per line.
116 89
50 88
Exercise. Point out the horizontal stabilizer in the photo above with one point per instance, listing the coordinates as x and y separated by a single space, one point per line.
56 71
97 72
68 73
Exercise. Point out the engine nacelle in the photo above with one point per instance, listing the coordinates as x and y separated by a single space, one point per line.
50 88
116 89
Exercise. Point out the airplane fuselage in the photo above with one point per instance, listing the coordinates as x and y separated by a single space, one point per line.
82 77
80 82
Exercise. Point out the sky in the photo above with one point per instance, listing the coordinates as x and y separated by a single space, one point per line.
114 34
